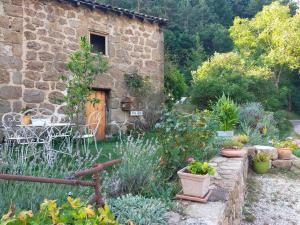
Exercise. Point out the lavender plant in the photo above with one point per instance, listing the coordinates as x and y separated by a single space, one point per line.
140 160
29 195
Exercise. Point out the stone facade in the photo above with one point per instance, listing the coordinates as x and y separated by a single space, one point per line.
37 36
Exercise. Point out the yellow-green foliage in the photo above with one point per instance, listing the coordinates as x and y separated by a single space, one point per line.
243 138
229 143
287 144
72 212
196 167
261 157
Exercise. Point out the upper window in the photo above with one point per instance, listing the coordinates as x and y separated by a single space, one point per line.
98 43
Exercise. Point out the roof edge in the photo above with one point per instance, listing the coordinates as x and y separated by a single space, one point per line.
119 11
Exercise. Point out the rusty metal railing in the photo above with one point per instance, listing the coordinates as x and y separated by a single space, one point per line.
96 198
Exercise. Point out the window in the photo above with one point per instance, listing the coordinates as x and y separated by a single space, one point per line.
98 43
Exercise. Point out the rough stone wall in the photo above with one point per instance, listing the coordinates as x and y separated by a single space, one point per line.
11 51
37 36
230 186
226 201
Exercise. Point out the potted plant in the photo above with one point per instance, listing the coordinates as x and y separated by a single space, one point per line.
232 148
226 112
285 148
261 162
26 119
195 178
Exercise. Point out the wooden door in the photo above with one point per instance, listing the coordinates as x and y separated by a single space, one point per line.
100 107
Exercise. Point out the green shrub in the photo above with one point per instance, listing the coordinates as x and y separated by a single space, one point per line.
251 113
26 195
72 212
230 74
258 124
139 162
183 135
175 85
139 210
226 112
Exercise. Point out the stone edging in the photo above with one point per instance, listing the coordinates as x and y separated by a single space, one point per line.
225 204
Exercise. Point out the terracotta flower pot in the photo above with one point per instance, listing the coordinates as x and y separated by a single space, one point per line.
194 184
284 153
232 153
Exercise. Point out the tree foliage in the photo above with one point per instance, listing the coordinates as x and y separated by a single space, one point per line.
267 54
194 23
228 73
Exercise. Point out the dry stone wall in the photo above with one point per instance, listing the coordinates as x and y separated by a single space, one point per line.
36 37
226 201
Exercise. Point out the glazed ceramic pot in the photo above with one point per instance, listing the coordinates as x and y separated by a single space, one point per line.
284 153
261 167
194 184
232 153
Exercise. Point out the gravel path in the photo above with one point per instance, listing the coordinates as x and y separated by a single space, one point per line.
273 199
296 124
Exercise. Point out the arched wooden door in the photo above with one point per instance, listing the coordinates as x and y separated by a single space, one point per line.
100 107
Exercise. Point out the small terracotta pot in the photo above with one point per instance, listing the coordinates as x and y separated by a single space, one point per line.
284 153
232 153
194 184
26 120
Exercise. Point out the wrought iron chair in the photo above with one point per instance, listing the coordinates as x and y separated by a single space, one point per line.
88 131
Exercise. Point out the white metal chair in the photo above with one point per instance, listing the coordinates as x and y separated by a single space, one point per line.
89 130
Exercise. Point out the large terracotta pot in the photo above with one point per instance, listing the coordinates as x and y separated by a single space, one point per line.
193 184
232 153
284 153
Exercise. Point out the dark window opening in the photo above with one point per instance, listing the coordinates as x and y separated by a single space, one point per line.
98 43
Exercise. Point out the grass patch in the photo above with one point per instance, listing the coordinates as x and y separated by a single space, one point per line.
291 115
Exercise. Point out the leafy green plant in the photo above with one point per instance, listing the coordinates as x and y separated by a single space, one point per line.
72 212
226 112
140 160
296 153
183 135
258 124
138 210
83 66
137 83
242 138
287 144
234 144
261 157
197 167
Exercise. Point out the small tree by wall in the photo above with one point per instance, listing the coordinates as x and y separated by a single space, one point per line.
83 66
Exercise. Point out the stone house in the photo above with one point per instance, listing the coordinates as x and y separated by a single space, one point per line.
37 36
